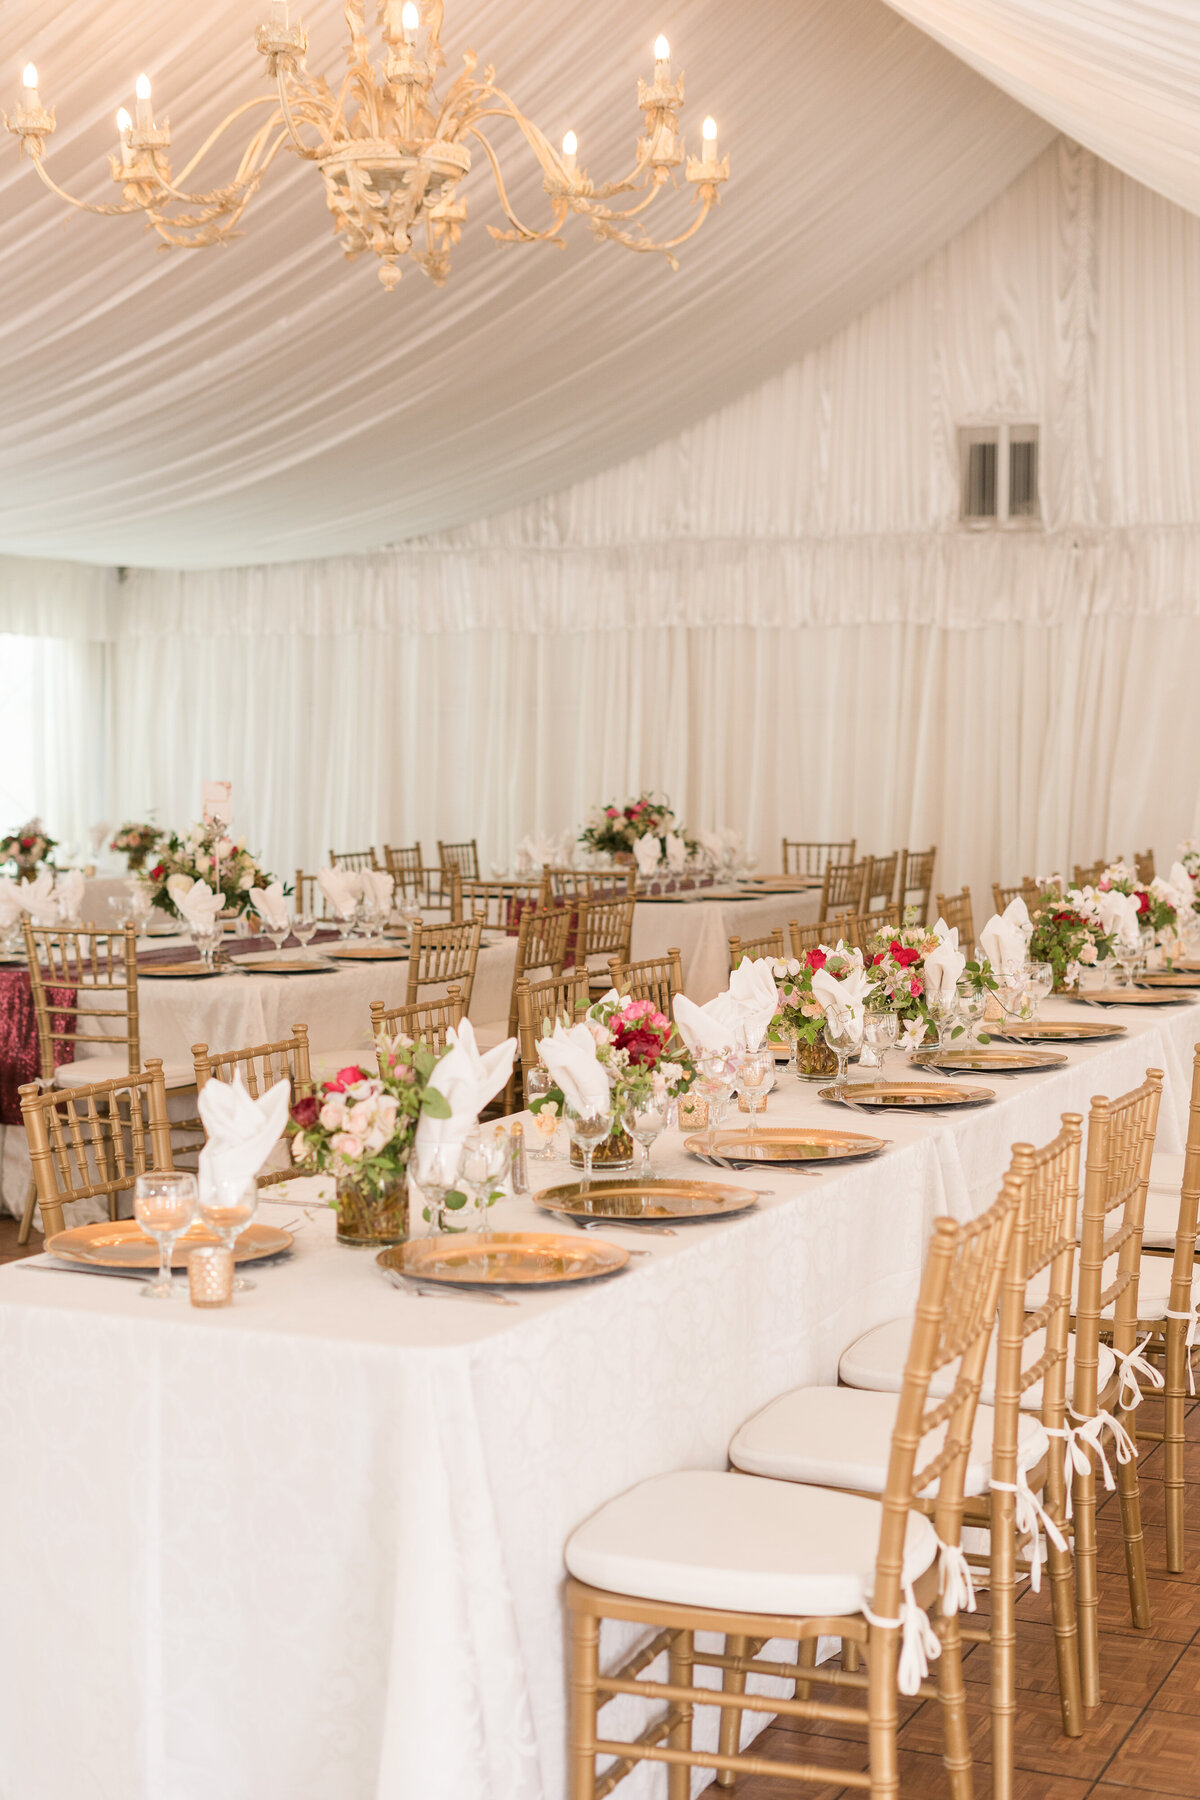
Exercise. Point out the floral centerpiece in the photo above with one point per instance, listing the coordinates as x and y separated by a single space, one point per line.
1158 903
635 1045
135 841
1189 861
1068 933
29 846
896 960
204 853
360 1128
615 829
800 1014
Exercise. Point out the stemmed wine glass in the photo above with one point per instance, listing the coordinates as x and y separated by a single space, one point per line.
207 935
538 1082
164 1205
438 1174
486 1162
140 908
943 1010
278 933
645 1120
754 1072
227 1207
718 1072
972 1005
844 1035
587 1130
881 1028
1039 981
304 929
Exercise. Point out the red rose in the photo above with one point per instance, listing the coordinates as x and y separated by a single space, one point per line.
156 874
1143 900
906 958
914 988
27 843
346 1078
307 1111
816 959
610 812
643 1045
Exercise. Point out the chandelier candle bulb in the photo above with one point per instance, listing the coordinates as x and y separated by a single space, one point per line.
569 153
279 15
29 82
709 131
124 127
410 19
145 114
662 62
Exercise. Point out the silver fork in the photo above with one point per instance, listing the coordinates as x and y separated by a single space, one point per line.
418 1291
616 1225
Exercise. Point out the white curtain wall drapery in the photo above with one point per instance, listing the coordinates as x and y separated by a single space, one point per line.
774 616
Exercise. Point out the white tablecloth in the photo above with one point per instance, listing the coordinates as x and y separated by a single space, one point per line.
702 928
310 1547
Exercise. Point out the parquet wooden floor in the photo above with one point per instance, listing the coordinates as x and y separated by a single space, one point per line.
1143 1743
10 1250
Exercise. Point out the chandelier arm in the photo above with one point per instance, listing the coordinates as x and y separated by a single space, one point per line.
523 233
89 206
222 128
629 212
548 156
337 118
250 172
647 245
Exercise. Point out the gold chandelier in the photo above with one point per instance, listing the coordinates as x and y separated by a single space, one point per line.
393 155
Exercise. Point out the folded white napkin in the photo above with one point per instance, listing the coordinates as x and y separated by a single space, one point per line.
339 889
10 901
1016 913
717 1025
241 1132
945 934
1003 944
1112 908
377 889
753 992
712 845
68 891
466 1081
200 905
847 995
179 885
98 833
569 1054
677 853
1182 882
36 896
270 904
943 967
537 852
647 853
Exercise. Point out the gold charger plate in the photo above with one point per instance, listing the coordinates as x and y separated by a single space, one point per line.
175 971
787 1144
1058 1031
367 952
1138 996
1004 1062
505 1259
628 1201
286 963
124 1245
1170 978
907 1095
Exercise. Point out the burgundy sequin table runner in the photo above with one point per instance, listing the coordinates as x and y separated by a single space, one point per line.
19 1060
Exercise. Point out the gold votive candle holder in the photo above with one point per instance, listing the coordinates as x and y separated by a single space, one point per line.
693 1112
210 1275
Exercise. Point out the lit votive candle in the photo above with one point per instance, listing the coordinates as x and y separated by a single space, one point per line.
210 1275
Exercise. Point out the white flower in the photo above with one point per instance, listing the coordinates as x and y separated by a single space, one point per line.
246 883
333 1115
1088 954
299 1147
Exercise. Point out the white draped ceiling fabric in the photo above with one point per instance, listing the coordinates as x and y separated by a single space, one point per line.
772 613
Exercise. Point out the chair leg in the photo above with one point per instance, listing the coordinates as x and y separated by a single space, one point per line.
851 1659
1087 1594
585 1666
806 1658
26 1225
1129 1495
1174 1406
729 1735
1066 1638
679 1665
952 1695
883 1722
1003 1638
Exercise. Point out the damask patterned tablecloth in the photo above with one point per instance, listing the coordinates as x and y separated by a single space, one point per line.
311 1547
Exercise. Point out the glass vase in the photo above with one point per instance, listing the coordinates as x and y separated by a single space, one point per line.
612 1154
369 1216
815 1062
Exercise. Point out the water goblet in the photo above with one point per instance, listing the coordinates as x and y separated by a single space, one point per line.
436 1178
588 1128
755 1069
140 908
164 1205
278 933
1126 952
1147 941
227 1207
206 934
881 1028
486 1162
943 1010
304 929
645 1120
716 1069
538 1083
844 1035
972 1005
1039 981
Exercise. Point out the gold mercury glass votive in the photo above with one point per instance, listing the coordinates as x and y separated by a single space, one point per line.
210 1275
693 1112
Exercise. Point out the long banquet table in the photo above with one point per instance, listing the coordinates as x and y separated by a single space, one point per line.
702 921
310 1547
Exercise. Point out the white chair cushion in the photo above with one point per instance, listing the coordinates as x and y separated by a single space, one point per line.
90 1069
731 1541
1154 1287
1162 1201
841 1437
877 1360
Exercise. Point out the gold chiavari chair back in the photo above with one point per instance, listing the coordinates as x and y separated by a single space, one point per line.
844 887
405 863
951 1332
1088 874
803 938
541 1003
438 891
353 859
440 954
260 1068
604 928
955 909
309 899
84 985
880 883
426 1021
1143 862
568 885
916 882
1177 1331
464 857
656 978
755 948
1003 896
809 859
90 1142
543 933
859 928
501 904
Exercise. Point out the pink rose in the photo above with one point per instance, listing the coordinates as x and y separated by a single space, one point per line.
346 1145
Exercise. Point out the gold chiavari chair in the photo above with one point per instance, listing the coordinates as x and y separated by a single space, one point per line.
94 1142
542 1003
844 888
755 948
803 938
1143 862
439 954
880 883
427 1021
353 859
1088 874
439 891
916 882
543 937
308 898
501 904
955 909
406 863
260 1068
859 928
603 928
1027 890
810 860
569 885
464 857
657 979
752 1560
